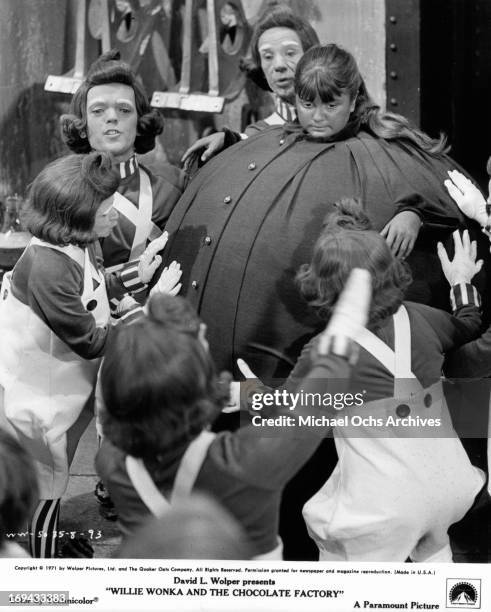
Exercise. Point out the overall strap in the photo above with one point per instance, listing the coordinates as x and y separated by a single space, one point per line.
397 361
402 344
405 382
145 487
74 252
187 473
191 465
378 349
140 216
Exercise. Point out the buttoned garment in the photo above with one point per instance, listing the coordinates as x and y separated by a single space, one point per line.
250 219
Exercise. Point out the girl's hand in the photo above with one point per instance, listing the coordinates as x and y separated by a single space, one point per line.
213 144
169 280
401 233
467 197
464 265
150 261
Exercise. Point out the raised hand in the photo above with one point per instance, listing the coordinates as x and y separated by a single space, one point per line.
467 197
464 266
150 261
169 280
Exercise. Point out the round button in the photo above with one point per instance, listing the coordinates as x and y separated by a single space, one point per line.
403 410
252 166
91 305
207 240
194 284
227 199
428 400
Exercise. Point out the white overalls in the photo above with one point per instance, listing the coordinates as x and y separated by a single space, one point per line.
46 384
395 491
187 473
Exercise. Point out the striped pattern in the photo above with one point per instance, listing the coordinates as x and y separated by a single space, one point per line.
464 294
286 111
43 529
132 315
128 167
130 277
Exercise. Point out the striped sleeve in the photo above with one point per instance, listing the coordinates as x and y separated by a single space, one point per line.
129 310
130 278
464 294
130 316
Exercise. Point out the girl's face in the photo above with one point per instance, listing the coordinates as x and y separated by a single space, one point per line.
325 119
112 119
280 50
106 218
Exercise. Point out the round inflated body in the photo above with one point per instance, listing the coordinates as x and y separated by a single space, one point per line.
251 216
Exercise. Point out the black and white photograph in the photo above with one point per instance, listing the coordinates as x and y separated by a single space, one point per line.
245 305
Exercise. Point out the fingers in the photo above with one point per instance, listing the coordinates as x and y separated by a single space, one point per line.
453 191
406 247
385 230
174 266
156 245
457 240
208 152
460 180
443 256
466 242
474 250
397 244
175 290
197 146
390 236
152 266
245 369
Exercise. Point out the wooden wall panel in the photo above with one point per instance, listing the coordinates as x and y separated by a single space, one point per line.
32 38
359 26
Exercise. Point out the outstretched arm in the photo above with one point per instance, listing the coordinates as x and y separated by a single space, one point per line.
273 454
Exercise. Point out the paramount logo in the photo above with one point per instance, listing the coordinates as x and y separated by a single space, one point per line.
464 593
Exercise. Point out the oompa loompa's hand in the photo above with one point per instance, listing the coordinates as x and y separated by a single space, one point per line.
212 144
169 280
467 197
150 261
463 266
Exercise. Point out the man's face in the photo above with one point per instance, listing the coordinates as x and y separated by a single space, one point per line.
112 119
280 50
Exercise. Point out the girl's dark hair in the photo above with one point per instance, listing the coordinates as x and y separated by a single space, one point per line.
158 383
278 17
348 241
64 197
18 486
110 69
329 71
